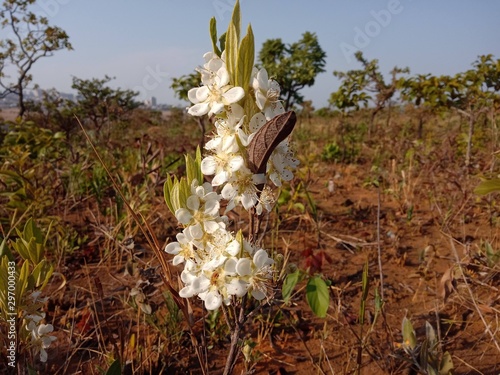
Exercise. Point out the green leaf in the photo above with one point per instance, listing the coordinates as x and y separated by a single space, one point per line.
318 296
289 284
231 52
236 19
409 337
246 57
488 186
115 368
431 335
42 273
446 364
213 35
232 43
167 192
4 250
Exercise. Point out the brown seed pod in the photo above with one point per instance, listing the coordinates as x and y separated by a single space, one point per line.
267 138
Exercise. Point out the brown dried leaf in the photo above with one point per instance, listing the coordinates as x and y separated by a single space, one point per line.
447 284
267 138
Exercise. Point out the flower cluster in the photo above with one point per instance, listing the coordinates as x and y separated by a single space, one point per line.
40 338
219 264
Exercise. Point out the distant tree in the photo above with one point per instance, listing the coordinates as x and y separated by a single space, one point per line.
427 93
30 37
351 94
53 112
183 84
383 91
99 103
474 92
295 65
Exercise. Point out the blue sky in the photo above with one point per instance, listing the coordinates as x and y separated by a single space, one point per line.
144 44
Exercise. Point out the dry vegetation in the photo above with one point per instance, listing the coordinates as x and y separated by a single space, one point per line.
403 206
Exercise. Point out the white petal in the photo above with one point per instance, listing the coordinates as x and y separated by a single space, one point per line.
208 166
213 300
193 203
173 248
248 201
261 259
237 287
178 259
228 192
216 108
186 292
214 143
192 95
263 79
200 284
244 267
233 95
44 329
199 109
235 163
230 266
183 215
43 355
212 208
196 231
222 78
211 226
220 178
233 248
258 294
202 94
260 100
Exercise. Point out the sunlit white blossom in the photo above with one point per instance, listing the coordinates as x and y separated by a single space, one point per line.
267 93
216 91
40 338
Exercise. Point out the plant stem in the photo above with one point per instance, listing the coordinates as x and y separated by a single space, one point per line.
235 337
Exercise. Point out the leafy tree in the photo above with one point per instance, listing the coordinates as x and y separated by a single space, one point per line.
183 84
351 93
30 38
383 91
53 112
295 65
99 103
474 92
427 93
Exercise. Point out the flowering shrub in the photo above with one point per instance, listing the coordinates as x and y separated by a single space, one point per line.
240 99
21 284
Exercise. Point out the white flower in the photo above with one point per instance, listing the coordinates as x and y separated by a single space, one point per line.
40 339
267 93
202 207
281 163
182 249
222 165
216 91
260 273
242 188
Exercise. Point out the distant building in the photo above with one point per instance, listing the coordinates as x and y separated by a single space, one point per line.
153 102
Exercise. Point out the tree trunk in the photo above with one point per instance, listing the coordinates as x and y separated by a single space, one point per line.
22 107
420 130
469 140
